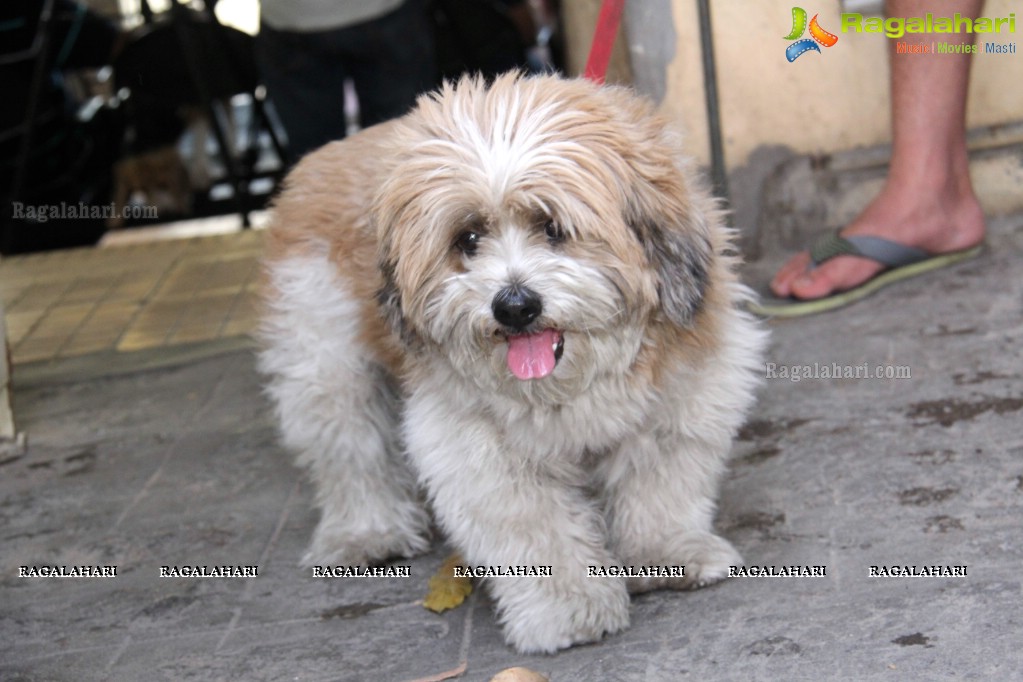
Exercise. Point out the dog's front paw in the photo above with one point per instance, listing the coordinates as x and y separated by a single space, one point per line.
337 543
361 550
546 618
706 557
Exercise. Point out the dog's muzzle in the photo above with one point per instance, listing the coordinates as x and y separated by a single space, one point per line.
530 355
516 306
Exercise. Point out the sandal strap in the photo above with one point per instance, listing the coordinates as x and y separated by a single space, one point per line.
884 251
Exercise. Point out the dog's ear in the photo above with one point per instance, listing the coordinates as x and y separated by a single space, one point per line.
664 206
389 298
677 248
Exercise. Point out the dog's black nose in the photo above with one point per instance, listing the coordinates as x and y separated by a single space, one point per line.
516 306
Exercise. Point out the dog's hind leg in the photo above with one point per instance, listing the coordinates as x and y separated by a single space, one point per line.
337 409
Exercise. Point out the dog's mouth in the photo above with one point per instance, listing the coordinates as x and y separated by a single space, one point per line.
534 356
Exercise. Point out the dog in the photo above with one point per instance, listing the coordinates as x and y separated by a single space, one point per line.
517 306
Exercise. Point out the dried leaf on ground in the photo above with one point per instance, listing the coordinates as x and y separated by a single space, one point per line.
445 591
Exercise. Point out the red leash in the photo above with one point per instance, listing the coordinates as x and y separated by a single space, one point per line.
604 40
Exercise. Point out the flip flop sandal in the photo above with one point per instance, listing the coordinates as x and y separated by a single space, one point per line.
902 262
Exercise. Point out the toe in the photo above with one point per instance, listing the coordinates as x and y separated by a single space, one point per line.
796 266
836 275
811 285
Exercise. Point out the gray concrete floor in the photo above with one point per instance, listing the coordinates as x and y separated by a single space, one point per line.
172 460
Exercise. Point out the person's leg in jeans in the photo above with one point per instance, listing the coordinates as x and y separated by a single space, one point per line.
305 81
391 61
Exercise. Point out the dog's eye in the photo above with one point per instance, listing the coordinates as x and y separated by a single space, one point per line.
553 231
467 242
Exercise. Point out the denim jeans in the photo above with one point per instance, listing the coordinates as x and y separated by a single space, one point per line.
389 59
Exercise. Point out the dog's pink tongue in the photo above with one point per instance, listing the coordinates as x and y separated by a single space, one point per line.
531 356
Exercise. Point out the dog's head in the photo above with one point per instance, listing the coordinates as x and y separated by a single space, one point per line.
538 226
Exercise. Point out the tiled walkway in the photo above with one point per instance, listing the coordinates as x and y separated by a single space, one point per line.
125 298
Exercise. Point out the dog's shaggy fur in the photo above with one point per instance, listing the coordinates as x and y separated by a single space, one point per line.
518 300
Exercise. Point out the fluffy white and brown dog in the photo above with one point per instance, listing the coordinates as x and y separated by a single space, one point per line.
518 300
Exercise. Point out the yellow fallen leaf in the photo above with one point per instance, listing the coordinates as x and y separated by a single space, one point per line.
445 591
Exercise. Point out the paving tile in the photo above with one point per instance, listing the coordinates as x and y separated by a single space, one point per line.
19 324
37 348
111 313
11 291
63 319
230 274
139 339
82 344
243 317
183 280
135 286
39 296
88 289
167 292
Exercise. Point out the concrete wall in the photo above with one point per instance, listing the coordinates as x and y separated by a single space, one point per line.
822 104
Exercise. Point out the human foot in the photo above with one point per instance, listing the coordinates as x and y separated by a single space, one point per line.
942 225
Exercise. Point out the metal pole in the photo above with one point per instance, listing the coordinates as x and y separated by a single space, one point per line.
719 175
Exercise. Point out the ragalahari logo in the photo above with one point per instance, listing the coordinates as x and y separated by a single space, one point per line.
817 35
